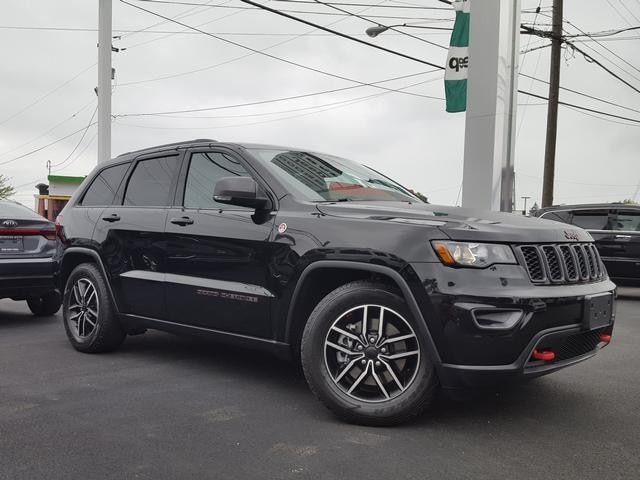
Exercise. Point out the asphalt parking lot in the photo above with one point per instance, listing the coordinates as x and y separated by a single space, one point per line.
171 407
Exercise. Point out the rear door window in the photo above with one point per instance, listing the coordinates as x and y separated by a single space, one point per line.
628 221
591 219
103 189
151 183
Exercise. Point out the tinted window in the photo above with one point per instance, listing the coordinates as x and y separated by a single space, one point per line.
205 169
9 209
150 182
558 216
628 221
591 219
103 189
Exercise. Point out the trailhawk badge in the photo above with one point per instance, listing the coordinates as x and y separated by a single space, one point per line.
571 235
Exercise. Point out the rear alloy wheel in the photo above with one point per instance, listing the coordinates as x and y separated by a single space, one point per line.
362 357
89 316
45 305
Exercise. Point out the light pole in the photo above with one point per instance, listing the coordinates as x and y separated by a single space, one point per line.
524 212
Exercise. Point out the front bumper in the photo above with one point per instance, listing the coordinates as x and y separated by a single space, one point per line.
472 354
572 345
24 277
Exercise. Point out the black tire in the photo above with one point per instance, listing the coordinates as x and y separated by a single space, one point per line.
45 305
389 410
107 334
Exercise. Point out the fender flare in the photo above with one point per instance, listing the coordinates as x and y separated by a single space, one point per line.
373 268
98 260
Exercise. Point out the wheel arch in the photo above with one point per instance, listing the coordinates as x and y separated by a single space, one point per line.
74 256
302 303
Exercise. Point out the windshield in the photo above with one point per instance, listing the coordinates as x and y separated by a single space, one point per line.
318 177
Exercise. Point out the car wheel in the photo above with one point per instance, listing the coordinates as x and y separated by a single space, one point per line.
89 316
45 305
363 359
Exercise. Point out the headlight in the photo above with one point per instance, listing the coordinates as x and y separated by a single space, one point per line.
477 255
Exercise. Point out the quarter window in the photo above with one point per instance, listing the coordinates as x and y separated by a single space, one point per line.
591 219
558 216
205 169
103 189
150 182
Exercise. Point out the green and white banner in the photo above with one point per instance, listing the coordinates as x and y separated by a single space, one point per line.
455 76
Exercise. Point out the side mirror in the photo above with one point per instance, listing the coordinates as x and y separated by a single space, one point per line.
241 191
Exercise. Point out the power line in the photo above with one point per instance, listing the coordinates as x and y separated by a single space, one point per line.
577 92
590 59
89 143
340 34
173 2
208 22
79 141
290 62
51 92
580 107
226 62
320 109
48 131
274 100
45 146
187 32
607 49
184 14
331 5
327 73
415 7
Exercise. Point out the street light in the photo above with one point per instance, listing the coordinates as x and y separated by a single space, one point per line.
378 29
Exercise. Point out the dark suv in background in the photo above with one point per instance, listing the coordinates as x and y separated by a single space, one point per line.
615 228
380 296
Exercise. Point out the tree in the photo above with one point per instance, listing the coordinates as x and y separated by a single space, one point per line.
629 201
6 190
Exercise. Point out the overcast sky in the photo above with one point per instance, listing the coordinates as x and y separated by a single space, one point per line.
410 138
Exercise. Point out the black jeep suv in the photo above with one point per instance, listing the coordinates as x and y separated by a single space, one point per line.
381 296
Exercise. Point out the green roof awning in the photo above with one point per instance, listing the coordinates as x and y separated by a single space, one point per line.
65 179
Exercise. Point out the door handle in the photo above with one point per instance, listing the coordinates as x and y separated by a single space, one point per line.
623 236
114 217
182 221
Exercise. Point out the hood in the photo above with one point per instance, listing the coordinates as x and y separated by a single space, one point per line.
464 224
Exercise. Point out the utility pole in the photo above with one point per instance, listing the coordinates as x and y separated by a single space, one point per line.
552 109
104 79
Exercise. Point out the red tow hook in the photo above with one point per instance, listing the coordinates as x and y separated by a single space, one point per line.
545 355
605 337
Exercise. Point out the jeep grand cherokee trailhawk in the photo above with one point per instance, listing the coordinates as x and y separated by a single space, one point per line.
380 296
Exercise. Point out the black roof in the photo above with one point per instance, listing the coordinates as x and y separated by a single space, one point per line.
169 146
199 142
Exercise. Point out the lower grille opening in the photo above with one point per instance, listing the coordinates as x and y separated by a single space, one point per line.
572 346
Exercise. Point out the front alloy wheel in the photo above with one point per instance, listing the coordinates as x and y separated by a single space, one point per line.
363 358
372 353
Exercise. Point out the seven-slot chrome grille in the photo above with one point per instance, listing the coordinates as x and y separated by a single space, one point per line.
562 263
